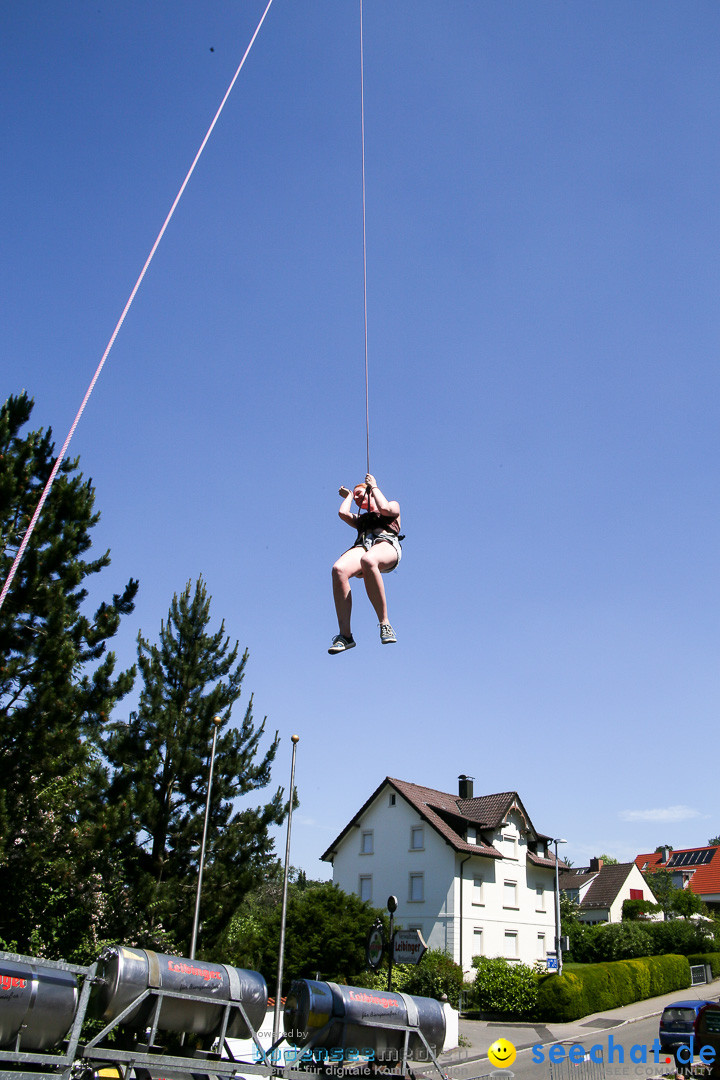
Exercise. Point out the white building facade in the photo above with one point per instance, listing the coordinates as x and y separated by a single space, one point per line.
601 890
472 874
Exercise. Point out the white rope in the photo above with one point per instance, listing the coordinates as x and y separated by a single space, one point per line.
364 238
121 320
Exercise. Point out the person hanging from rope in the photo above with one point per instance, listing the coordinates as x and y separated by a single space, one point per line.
376 552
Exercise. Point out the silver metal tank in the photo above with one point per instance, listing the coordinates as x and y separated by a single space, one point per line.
353 1015
125 974
37 1002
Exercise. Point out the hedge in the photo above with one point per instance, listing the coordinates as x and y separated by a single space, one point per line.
583 989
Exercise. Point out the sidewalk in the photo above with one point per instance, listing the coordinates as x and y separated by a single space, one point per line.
480 1034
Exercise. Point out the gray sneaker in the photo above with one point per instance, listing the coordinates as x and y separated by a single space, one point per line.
341 644
387 634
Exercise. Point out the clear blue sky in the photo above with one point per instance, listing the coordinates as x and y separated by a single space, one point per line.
543 280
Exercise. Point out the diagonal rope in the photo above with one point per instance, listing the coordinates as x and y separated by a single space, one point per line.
121 320
364 238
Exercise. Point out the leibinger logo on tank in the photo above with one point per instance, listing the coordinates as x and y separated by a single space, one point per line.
638 1054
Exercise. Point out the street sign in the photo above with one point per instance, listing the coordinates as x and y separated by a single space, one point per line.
552 964
408 947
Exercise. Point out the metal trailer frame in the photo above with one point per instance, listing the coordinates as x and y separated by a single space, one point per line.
191 1065
200 1065
63 1061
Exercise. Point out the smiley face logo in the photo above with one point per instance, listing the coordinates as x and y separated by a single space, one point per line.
502 1053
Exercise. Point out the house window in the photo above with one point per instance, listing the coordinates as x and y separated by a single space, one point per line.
511 944
541 954
417 838
366 842
365 889
471 834
510 842
391 799
636 894
510 894
417 888
477 941
539 898
477 891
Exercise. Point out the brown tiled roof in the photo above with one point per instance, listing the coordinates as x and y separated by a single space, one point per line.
705 879
449 815
574 880
606 884
437 806
539 860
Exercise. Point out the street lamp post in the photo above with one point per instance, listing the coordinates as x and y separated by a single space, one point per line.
558 925
217 721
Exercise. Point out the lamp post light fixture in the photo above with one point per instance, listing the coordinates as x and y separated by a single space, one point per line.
558 929
217 721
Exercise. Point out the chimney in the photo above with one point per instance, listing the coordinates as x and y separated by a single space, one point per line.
666 854
465 786
595 865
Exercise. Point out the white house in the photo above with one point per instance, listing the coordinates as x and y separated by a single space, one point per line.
601 890
471 873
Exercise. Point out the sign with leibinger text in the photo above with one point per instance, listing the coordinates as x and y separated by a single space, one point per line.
408 947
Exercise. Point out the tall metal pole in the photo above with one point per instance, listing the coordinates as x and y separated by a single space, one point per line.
281 956
217 721
392 904
558 924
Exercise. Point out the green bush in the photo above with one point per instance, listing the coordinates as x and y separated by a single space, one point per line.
435 975
625 940
683 936
508 989
638 909
378 980
583 989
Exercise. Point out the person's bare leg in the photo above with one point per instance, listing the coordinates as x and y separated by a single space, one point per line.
380 555
347 566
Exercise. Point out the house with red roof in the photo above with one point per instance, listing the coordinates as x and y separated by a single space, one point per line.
472 873
602 888
697 869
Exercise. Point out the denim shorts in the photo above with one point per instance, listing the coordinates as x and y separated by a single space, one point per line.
367 540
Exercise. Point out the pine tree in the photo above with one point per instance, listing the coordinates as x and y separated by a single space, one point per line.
161 759
57 689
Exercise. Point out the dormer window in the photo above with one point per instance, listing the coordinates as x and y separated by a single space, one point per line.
471 836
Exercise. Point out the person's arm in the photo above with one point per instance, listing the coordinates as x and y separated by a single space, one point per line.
345 512
387 508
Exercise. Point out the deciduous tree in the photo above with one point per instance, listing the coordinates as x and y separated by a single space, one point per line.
326 930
